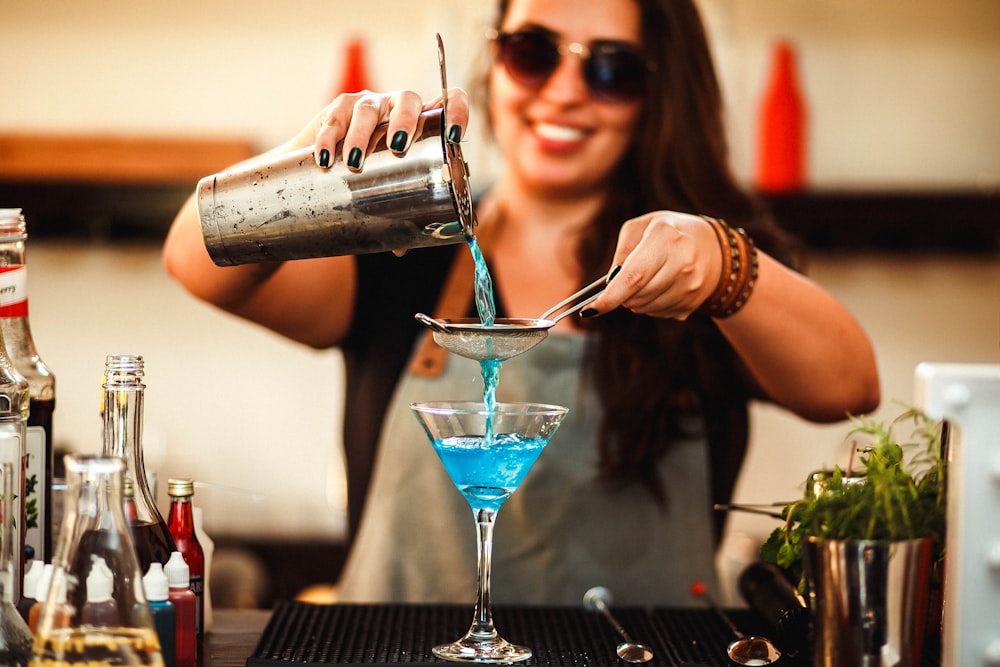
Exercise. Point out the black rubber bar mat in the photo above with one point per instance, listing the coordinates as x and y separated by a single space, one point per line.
348 634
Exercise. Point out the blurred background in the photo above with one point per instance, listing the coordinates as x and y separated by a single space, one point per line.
113 110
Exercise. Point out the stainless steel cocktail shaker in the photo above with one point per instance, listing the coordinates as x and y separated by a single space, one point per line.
286 207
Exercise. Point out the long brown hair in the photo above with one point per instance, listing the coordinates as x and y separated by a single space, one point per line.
655 377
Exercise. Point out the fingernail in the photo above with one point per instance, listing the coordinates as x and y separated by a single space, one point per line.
614 272
399 141
455 134
588 312
324 158
354 158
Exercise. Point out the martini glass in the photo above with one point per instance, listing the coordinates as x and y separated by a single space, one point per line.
487 453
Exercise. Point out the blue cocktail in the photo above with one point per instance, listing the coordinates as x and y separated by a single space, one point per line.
487 453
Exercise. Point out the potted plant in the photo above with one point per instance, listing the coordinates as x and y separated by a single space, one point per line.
863 547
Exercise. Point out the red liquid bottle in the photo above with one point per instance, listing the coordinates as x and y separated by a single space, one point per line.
180 522
122 409
186 648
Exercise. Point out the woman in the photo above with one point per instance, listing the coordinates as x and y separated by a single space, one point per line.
608 115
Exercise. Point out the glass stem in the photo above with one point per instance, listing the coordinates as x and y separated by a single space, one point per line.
482 624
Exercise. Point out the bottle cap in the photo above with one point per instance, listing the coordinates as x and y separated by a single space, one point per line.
100 581
44 582
12 222
178 572
180 488
31 577
155 583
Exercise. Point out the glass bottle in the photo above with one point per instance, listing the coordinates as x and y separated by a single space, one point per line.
15 637
180 522
122 409
13 429
94 529
41 381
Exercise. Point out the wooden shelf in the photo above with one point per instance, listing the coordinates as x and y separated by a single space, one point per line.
139 160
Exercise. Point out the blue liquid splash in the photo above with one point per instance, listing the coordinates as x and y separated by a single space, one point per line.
486 307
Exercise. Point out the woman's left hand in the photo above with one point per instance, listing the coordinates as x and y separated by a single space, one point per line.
670 265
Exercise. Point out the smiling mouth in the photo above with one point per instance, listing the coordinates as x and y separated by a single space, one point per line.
558 132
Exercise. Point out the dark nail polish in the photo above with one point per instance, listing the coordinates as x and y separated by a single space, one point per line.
354 158
455 134
588 312
324 158
614 272
399 141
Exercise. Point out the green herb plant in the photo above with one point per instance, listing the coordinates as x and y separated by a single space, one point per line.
901 495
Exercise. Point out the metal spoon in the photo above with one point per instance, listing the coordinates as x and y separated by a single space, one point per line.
748 650
598 599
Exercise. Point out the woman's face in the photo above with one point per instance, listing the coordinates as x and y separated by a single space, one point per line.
556 137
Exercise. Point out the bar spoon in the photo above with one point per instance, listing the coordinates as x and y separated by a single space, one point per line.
747 650
597 599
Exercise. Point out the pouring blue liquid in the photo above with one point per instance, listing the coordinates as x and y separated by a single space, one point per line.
486 307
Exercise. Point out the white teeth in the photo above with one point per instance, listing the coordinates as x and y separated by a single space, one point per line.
558 132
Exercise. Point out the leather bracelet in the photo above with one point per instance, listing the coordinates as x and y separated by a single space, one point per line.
739 271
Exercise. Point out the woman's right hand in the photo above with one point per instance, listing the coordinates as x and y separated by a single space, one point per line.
352 118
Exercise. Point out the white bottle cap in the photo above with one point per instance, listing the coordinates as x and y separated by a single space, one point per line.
155 583
178 572
31 577
44 582
100 581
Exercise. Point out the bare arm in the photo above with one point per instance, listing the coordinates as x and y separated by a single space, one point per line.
802 346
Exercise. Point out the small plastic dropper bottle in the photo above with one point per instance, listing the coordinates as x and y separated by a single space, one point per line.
157 589
28 591
100 610
184 601
41 594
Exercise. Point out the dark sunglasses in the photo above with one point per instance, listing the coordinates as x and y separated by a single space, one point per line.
614 71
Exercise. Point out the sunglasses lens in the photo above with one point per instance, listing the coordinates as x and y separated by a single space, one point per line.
530 58
615 74
614 71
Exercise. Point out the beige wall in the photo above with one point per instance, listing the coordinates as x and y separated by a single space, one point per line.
902 92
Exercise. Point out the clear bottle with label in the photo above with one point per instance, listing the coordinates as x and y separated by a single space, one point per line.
41 381
15 637
122 408
95 534
13 430
180 522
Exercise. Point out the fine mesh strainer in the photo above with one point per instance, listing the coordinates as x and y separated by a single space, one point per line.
508 336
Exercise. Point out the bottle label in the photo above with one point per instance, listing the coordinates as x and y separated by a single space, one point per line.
14 291
34 481
197 586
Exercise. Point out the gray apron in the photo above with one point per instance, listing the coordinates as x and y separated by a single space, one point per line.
558 535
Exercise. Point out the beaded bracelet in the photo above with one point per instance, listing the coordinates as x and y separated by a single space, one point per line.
739 270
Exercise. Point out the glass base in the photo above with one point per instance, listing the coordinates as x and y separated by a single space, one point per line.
478 649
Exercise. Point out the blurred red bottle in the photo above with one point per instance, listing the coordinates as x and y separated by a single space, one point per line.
781 150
